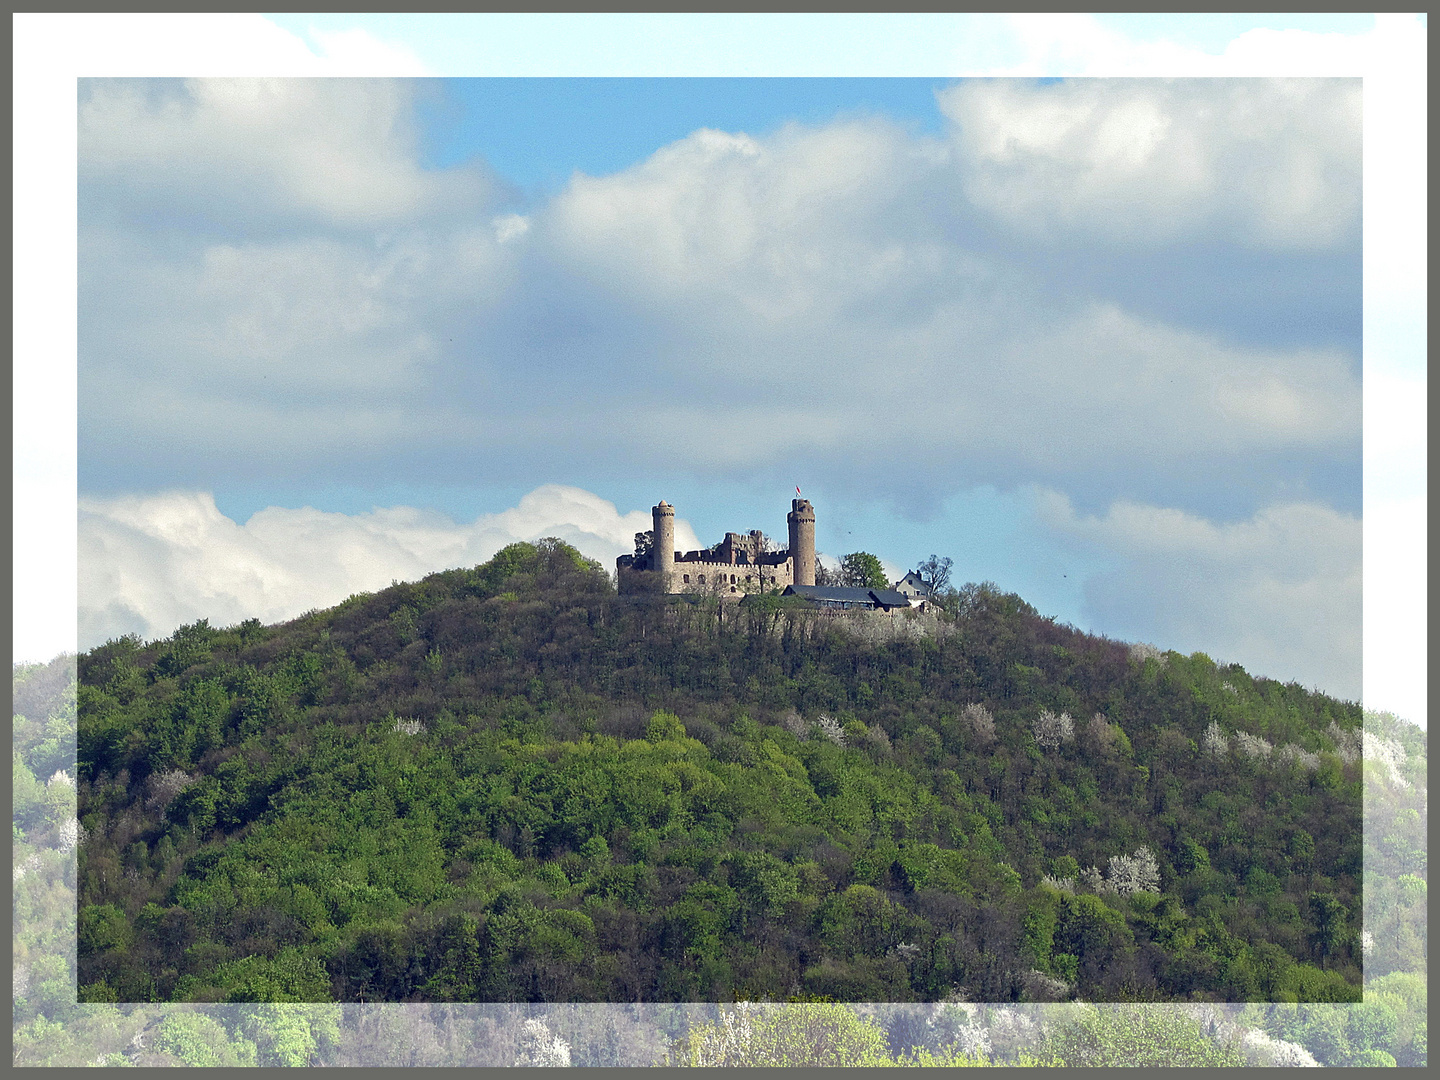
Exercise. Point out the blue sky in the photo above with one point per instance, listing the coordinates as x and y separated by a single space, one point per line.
1098 340
536 132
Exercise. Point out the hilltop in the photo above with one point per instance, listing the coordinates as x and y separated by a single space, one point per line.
509 783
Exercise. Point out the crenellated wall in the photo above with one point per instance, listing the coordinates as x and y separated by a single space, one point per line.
737 565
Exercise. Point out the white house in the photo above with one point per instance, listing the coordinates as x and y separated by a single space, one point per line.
912 586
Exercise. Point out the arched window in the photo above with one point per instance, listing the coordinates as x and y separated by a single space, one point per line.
702 579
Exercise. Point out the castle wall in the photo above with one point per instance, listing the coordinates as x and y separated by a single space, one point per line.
707 576
734 567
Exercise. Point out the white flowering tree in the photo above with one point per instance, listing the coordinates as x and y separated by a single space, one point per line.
1101 732
539 1048
1349 745
161 788
1214 740
978 719
831 729
1130 874
1142 651
1051 730
1252 746
973 1040
1298 756
69 835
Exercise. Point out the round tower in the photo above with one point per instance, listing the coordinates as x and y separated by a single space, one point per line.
662 552
801 520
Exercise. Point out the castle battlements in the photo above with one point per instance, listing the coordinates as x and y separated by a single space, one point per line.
739 565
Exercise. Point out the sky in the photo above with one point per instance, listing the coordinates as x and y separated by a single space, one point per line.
1099 340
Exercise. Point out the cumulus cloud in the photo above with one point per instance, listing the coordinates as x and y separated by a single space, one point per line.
233 152
1278 592
1264 161
784 227
271 284
151 563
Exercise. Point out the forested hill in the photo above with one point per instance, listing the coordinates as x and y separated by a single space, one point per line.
508 783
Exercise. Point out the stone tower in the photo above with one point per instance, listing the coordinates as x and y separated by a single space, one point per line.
801 520
662 552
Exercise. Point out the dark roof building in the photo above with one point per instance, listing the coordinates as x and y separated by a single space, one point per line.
831 596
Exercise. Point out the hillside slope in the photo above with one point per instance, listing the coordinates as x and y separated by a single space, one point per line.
510 784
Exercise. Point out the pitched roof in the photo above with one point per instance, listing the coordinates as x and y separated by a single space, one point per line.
834 594
915 581
890 598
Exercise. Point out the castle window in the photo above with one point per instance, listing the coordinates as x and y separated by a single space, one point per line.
702 579
732 581
687 579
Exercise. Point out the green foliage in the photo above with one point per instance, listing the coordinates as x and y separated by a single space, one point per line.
810 1034
291 1035
861 570
664 725
103 926
1191 858
1134 1035
201 1041
27 794
507 783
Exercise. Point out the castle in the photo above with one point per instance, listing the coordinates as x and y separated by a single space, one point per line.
736 566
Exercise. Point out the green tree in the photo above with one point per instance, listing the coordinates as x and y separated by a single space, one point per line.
27 793
1192 857
1371 1025
861 570
1331 925
814 1034
292 1035
1155 1036
202 1041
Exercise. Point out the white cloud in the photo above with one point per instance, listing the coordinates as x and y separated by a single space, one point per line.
776 226
151 563
1267 162
831 266
224 151
309 314
676 311
1279 593
510 227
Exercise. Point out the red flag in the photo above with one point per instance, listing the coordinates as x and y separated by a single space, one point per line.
797 489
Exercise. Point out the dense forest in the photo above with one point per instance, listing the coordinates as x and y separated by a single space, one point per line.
509 784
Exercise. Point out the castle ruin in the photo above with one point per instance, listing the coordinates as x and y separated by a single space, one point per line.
737 566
